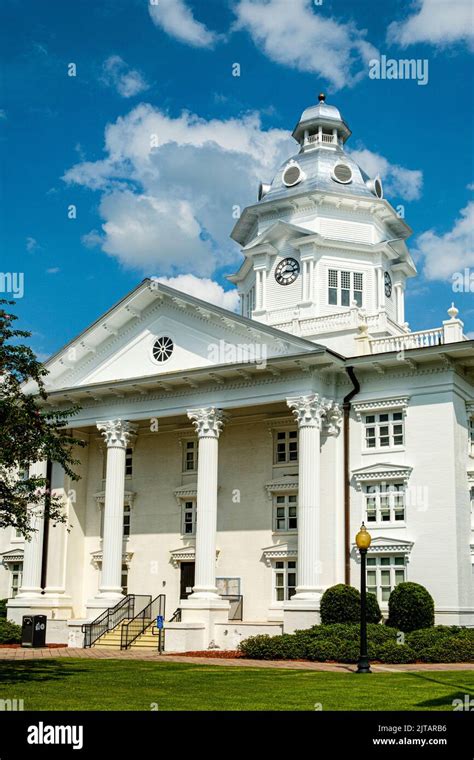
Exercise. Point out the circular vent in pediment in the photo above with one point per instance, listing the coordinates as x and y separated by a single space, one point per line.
162 349
342 173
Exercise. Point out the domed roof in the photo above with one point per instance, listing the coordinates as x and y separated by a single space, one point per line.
322 114
318 172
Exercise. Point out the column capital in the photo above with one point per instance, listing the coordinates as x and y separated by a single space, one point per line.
117 433
208 422
309 410
334 417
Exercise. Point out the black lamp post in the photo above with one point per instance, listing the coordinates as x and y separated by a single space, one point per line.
363 540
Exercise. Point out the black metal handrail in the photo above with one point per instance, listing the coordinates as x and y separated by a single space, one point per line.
108 619
236 610
132 629
176 616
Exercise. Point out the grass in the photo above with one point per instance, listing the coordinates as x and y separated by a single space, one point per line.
77 684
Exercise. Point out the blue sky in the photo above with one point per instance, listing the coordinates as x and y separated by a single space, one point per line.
163 72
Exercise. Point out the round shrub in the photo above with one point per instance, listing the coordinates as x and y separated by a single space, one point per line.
410 606
340 604
373 610
391 652
10 633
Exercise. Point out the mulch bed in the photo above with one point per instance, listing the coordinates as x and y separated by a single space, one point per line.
225 655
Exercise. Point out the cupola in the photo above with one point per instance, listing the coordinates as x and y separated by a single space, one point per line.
321 126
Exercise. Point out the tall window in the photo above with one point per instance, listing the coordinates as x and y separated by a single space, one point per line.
189 518
190 455
285 510
284 580
344 287
128 463
127 513
383 574
124 580
384 430
16 575
385 502
126 520
286 446
250 302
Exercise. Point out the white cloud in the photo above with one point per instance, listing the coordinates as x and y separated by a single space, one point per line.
171 207
31 244
205 289
177 20
297 34
397 180
118 74
53 270
445 254
438 22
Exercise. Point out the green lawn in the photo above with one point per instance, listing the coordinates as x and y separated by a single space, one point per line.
77 684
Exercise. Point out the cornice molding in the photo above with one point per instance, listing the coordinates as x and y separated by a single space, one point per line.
393 402
279 551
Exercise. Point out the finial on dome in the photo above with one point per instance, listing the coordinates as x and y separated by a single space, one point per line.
322 97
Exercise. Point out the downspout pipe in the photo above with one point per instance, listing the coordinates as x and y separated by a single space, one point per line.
346 410
47 499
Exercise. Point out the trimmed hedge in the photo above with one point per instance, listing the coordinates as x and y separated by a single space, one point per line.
410 606
341 604
10 633
340 643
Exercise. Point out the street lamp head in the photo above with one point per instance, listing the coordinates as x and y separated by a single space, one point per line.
363 538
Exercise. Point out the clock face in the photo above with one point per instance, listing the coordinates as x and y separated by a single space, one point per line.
388 284
287 271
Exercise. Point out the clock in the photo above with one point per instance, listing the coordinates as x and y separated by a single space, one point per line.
388 284
287 271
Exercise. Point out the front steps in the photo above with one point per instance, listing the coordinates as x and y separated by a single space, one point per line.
111 639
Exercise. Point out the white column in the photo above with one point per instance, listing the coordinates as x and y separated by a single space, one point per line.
309 412
118 435
208 423
33 550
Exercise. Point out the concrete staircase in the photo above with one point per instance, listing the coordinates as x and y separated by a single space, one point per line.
111 639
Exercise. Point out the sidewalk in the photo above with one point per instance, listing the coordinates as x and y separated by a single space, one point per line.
21 655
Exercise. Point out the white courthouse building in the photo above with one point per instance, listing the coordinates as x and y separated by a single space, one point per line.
231 458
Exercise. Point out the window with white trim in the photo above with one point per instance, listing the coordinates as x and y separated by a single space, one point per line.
127 515
189 517
384 572
385 502
344 287
124 579
128 463
384 430
285 512
16 577
471 436
286 447
284 579
190 455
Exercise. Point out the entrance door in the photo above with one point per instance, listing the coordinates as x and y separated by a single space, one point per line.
187 579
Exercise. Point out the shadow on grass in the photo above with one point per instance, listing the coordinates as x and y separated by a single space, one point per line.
446 700
12 673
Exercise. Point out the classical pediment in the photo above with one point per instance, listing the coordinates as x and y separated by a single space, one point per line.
380 472
388 545
155 331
